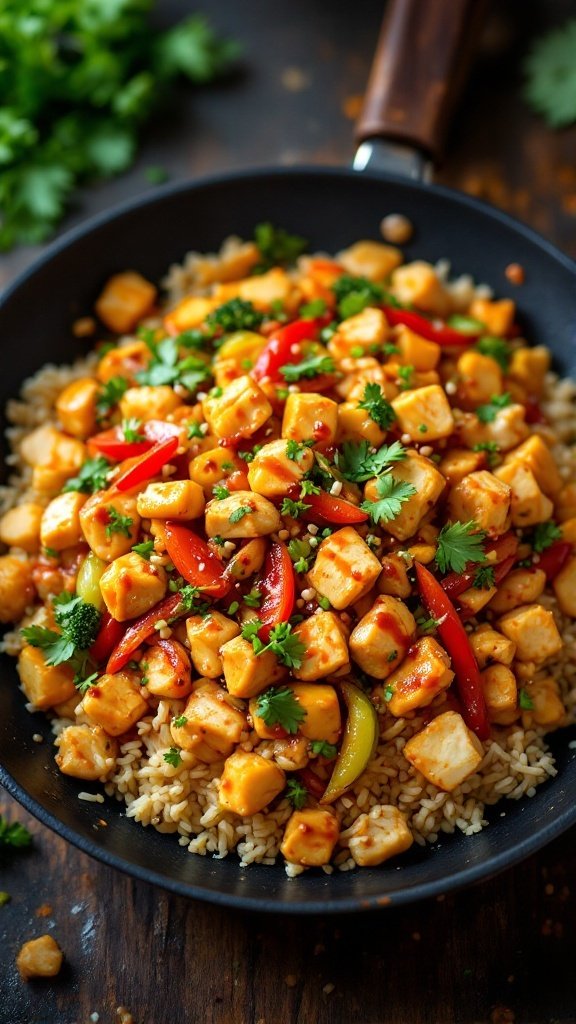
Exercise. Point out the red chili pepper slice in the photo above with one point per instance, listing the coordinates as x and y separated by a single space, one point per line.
279 589
429 329
277 352
552 560
149 465
109 634
141 629
325 508
455 640
112 444
457 582
195 560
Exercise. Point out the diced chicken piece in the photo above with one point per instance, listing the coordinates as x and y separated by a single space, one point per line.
248 560
249 783
44 685
206 635
490 646
54 456
209 726
345 568
20 526
393 579
500 693
423 674
565 587
367 330
310 417
425 407
235 260
189 313
86 752
149 403
529 505
243 514
483 498
110 524
475 598
60 527
497 316
167 670
16 588
116 702
247 674
356 424
446 752
124 361
124 301
216 466
381 639
239 411
40 958
534 454
533 629
459 462
547 710
360 372
428 484
480 377
373 260
322 713
529 366
76 407
272 472
377 836
310 837
291 754
418 284
521 586
324 637
507 429
261 289
175 499
565 502
131 586
569 531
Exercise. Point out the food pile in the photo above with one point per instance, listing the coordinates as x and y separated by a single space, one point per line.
293 554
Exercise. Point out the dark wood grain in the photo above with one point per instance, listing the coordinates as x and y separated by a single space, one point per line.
501 952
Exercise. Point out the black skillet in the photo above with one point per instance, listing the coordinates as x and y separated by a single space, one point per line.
407 104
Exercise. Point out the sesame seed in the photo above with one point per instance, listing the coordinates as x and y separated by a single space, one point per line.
313 529
450 387
406 438
201 395
161 624
166 633
426 449
309 594
38 738
336 487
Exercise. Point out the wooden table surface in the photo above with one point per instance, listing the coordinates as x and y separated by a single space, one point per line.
501 952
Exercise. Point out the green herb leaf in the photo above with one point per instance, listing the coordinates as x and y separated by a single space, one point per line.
180 721
173 756
459 544
544 535
117 523
239 513
277 247
131 430
294 509
379 410
280 707
551 76
497 348
491 448
487 413
145 549
296 793
359 463
235 315
93 476
525 700
484 578
220 493
110 394
324 749
311 310
295 450
12 833
309 367
253 599
392 494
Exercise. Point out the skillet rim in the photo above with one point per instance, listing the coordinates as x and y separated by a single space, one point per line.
454 882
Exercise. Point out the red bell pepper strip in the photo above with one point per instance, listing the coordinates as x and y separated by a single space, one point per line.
325 508
457 582
109 634
429 329
552 560
195 560
455 640
113 445
149 465
141 629
279 588
278 350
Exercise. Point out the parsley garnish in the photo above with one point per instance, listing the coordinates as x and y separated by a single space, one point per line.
165 367
173 756
497 349
544 535
93 476
484 578
491 448
405 374
308 486
189 600
324 749
323 602
294 509
551 76
287 647
296 793
82 685
309 367
359 463
525 700
253 599
180 721
295 450
388 692
235 315
487 413
300 552
458 544
50 552
239 513
131 430
427 626
220 492
117 523
145 549
310 310
110 394
355 293
276 246
379 410
194 430
280 707
12 833
392 494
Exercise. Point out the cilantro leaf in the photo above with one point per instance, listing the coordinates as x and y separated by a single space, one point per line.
379 410
173 756
117 523
220 492
166 368
310 366
294 509
110 394
276 246
180 721
392 494
310 310
93 476
295 450
324 749
544 535
239 513
487 413
525 701
131 430
551 76
484 578
459 544
235 315
280 707
12 833
296 793
497 348
359 463
144 549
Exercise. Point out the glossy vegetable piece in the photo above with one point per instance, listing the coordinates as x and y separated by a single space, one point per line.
432 330
88 580
195 560
109 634
113 445
148 466
455 640
456 583
552 560
279 589
278 350
358 742
325 508
141 629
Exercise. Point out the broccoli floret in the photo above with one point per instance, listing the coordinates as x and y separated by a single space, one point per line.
78 620
235 315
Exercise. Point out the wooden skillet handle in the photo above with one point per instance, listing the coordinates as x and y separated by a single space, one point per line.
420 64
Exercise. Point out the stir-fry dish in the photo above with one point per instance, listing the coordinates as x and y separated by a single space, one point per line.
291 556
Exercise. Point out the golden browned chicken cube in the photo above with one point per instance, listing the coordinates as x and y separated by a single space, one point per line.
322 719
417 283
76 407
240 410
565 587
149 403
110 524
86 752
547 709
124 361
484 499
20 526
428 485
213 467
189 313
529 366
533 629
247 673
310 417
310 837
54 457
115 702
423 674
529 505
44 685
175 499
355 424
367 330
380 640
370 259
324 637
166 668
393 579
39 958
506 430
377 836
491 647
416 351
479 378
125 299
60 526
521 586
243 514
497 316
248 560
131 586
535 455
446 752
459 462
209 726
261 289
206 635
500 694
272 471
424 413
345 568
249 783
16 587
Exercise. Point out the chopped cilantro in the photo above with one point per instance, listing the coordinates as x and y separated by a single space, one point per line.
487 413
117 523
189 600
93 476
491 448
130 429
296 793
497 348
388 692
253 599
295 450
323 602
300 552
239 513
310 366
359 463
82 685
50 552
465 324
166 367
310 310
392 656
324 749
427 626
294 509
287 647
276 246
233 608
405 375
379 410
544 535
280 707
220 492
145 549
180 721
235 315
458 544
109 395
525 700
173 756
194 430
483 578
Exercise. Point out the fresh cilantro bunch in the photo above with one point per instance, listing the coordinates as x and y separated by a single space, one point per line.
550 70
79 623
78 80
